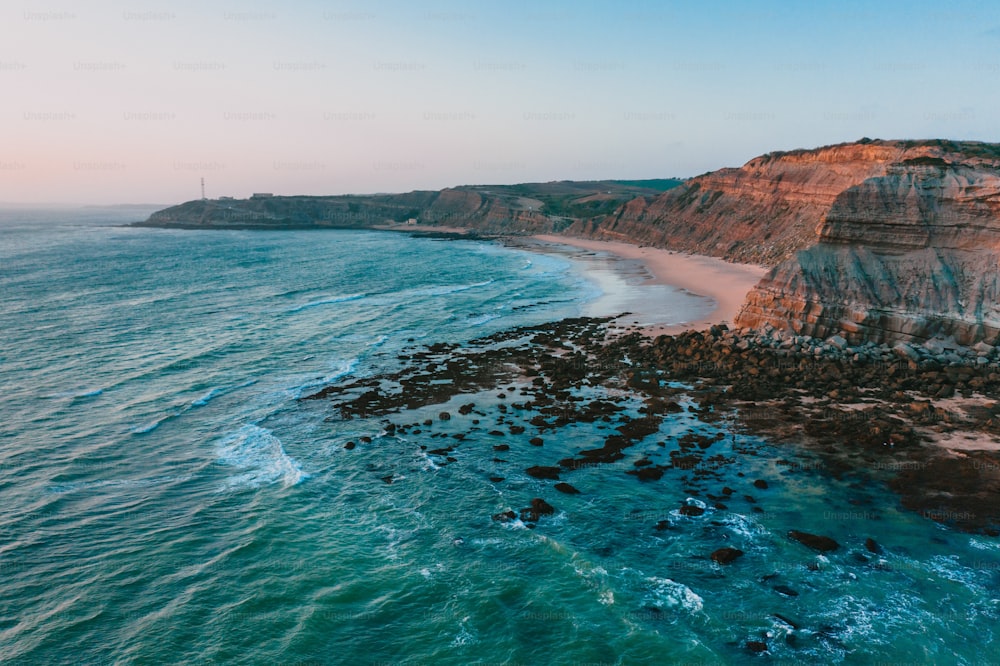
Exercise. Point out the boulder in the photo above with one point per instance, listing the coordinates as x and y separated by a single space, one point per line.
726 555
821 544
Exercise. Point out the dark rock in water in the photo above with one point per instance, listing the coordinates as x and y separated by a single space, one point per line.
860 558
647 473
726 555
566 488
543 472
501 447
538 508
496 479
504 517
444 416
820 544
760 483
497 433
663 525
350 446
388 479
873 546
720 506
785 590
536 441
757 509
516 429
691 510
750 499
756 646
466 409
428 422
727 491
365 439
791 623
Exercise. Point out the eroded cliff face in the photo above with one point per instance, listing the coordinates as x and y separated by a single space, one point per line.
910 252
762 212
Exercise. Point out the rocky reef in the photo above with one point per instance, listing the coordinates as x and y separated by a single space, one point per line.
907 254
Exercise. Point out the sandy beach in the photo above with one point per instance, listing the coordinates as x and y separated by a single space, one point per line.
724 283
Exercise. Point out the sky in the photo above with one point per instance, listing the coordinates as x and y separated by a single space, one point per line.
135 102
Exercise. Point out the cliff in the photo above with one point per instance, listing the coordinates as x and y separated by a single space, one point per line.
911 251
760 213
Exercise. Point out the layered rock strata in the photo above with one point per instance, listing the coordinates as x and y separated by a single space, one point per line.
909 254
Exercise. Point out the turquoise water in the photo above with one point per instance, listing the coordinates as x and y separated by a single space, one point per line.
168 498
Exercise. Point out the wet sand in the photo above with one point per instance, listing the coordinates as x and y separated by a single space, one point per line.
723 284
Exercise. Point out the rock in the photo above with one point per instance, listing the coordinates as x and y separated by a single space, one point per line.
505 516
538 508
466 409
566 488
785 590
727 490
496 479
691 510
905 351
536 441
726 555
756 647
791 624
837 342
647 473
820 544
543 472
872 546
760 483
350 446
501 447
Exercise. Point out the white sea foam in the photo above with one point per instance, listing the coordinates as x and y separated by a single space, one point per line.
444 290
260 456
151 425
670 594
84 393
342 369
326 301
464 635
482 319
205 399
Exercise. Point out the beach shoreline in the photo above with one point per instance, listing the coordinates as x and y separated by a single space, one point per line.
725 285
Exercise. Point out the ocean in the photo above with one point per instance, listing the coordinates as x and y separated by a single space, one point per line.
168 497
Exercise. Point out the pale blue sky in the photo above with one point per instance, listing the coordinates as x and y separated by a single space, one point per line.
110 101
